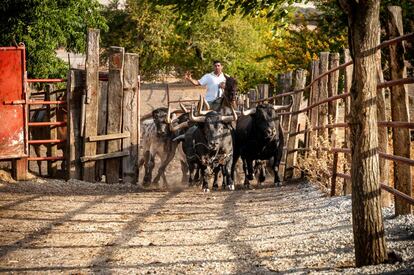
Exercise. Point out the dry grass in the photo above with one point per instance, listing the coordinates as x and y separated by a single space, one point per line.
317 163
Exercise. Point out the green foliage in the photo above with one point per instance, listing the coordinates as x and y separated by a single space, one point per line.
168 43
144 29
46 25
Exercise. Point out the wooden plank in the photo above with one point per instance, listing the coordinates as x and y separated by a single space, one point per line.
91 108
347 110
300 82
115 96
314 97
74 145
130 119
323 94
102 121
399 111
51 148
333 91
109 136
19 168
105 156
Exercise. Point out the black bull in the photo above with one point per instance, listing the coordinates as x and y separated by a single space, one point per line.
209 145
259 136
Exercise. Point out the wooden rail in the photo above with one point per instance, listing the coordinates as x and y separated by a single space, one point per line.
333 125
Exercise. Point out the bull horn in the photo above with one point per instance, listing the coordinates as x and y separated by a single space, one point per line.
200 105
283 107
179 126
249 111
194 118
168 118
183 108
206 103
233 117
146 116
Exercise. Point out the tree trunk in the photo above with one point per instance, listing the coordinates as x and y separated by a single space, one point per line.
363 22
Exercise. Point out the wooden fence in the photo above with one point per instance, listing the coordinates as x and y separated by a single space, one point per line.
323 119
103 117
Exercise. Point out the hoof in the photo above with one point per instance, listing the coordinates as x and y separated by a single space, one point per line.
206 190
247 187
215 188
231 187
278 184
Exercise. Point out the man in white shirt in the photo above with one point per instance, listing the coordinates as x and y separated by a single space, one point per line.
212 80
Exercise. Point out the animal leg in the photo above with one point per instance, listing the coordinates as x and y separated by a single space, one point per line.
204 179
216 172
229 183
185 171
149 165
164 164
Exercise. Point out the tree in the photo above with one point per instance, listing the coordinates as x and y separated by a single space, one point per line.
170 44
364 30
46 25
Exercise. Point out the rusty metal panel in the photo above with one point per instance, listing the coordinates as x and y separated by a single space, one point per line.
12 117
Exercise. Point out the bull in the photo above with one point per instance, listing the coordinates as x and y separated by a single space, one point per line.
259 136
158 134
209 146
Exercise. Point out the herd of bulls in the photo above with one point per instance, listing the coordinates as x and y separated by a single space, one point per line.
211 141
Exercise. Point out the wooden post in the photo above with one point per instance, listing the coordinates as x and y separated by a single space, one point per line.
382 135
102 121
347 88
139 119
91 108
334 171
399 111
19 168
115 97
263 90
74 145
51 148
285 120
300 81
333 91
314 97
130 119
252 97
323 94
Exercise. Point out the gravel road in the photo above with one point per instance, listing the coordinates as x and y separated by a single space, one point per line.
51 226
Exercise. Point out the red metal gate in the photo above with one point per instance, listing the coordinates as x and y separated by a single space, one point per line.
13 132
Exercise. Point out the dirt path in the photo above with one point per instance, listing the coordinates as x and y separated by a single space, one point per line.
75 227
